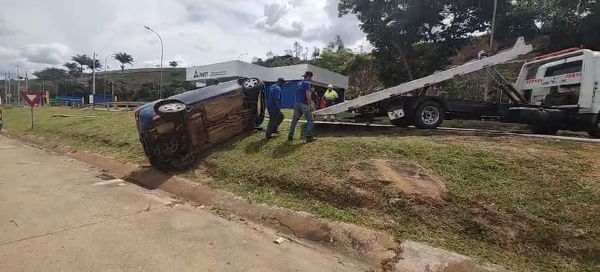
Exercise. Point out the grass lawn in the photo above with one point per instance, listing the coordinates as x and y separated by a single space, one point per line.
526 204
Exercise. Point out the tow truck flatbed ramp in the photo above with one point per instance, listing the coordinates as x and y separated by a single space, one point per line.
520 48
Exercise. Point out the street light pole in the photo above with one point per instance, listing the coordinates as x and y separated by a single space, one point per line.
112 95
242 55
161 62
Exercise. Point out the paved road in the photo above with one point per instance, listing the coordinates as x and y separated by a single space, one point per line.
57 215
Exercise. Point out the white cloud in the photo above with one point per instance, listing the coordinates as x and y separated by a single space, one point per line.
194 32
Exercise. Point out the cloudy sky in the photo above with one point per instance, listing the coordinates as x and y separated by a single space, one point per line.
35 34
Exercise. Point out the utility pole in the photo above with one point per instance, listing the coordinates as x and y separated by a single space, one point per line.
18 86
94 80
43 93
26 83
9 90
5 88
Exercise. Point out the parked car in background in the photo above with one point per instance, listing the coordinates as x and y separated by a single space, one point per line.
174 130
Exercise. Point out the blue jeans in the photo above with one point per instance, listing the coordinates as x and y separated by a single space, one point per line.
299 110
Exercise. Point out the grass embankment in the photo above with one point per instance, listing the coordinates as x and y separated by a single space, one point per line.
526 204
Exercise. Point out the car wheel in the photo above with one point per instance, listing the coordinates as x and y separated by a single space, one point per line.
260 110
429 115
169 108
169 145
252 84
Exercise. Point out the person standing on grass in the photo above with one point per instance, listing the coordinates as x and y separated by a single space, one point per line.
274 97
330 97
304 105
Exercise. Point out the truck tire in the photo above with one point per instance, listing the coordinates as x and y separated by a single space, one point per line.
594 134
428 115
544 130
401 122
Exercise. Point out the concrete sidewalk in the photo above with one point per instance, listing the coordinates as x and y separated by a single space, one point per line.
57 214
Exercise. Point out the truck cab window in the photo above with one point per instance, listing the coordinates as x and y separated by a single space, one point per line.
567 68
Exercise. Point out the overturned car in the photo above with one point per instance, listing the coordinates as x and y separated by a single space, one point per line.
174 130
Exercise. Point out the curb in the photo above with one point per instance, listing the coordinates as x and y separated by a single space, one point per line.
375 248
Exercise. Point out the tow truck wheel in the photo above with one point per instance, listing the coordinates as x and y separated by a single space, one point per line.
429 115
544 130
594 134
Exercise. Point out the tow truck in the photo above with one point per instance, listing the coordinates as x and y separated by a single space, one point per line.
557 91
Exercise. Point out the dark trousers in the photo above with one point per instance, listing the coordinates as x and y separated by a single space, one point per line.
329 103
275 119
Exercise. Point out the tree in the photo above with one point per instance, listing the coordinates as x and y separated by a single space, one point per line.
363 75
270 55
337 61
298 49
173 64
338 43
51 74
93 64
81 60
316 52
124 59
73 68
397 29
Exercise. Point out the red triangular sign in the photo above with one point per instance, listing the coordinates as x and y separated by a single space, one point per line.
31 99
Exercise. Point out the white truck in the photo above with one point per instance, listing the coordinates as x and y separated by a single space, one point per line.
558 91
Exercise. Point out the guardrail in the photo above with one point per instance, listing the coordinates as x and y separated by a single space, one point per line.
123 104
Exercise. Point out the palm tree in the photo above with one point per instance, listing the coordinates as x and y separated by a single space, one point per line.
124 59
173 64
73 68
81 60
91 65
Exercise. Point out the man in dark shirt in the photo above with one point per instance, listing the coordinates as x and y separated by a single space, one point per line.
302 107
274 97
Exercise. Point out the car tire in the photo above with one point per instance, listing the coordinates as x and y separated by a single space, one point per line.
168 108
260 110
252 84
428 115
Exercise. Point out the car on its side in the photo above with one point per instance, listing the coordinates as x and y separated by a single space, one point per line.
174 130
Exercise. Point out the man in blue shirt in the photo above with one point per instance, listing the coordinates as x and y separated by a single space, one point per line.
274 97
302 107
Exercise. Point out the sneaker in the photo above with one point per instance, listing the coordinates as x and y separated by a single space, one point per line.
310 139
290 139
272 136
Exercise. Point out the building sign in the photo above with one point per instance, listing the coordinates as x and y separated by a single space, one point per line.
207 74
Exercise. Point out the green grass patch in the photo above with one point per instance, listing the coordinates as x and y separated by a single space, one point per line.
522 203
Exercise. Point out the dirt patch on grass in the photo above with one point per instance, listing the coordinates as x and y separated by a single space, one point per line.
404 178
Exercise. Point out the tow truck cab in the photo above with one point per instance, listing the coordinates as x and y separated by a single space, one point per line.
562 91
